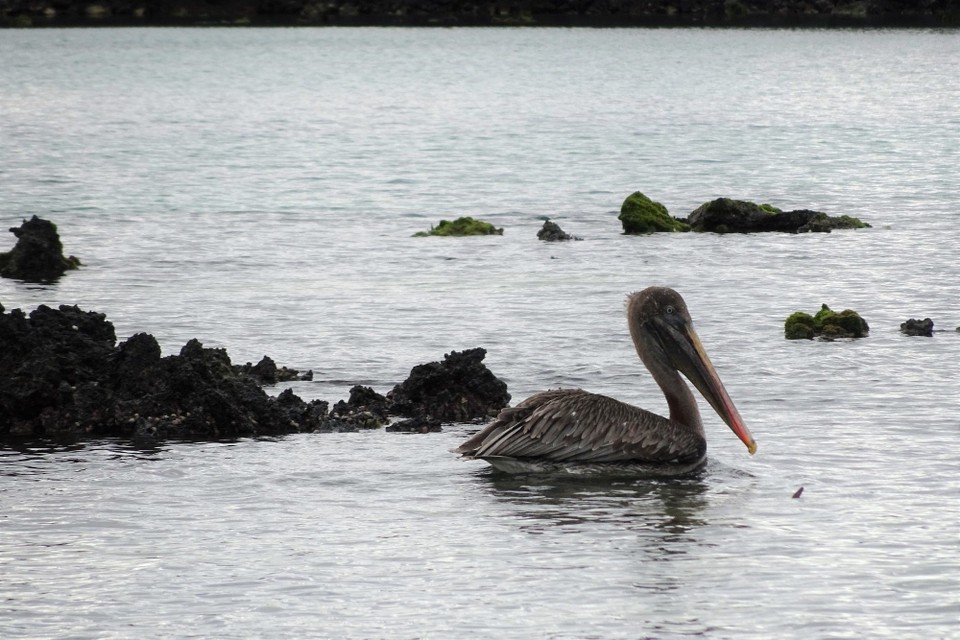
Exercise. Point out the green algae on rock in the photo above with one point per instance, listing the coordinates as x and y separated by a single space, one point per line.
725 215
799 326
826 325
639 215
465 226
848 222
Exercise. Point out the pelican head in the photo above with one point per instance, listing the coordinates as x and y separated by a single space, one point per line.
666 342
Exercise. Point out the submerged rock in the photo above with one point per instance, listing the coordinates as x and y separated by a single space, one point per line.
551 232
914 327
640 215
38 254
422 424
826 325
459 389
725 215
465 226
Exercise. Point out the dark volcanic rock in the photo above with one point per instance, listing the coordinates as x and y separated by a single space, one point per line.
459 389
38 254
914 327
725 215
64 377
365 409
267 372
551 232
364 399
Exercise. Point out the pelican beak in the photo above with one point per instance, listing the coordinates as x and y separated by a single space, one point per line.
692 361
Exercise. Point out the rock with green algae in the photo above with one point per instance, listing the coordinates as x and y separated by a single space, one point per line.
725 215
639 214
465 226
826 325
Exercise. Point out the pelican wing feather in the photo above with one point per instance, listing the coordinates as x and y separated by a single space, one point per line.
572 425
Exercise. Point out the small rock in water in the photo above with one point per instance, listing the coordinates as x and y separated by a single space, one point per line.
267 372
826 325
551 232
38 254
914 327
639 215
365 408
725 215
463 226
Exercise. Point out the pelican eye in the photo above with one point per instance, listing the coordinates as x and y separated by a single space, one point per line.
670 310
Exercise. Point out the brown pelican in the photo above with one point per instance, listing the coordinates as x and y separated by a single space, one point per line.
574 430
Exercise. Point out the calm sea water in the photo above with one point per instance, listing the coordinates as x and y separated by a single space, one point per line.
257 189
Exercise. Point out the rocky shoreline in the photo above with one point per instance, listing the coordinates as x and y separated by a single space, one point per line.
66 378
588 13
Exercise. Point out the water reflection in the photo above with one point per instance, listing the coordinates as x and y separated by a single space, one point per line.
637 525
37 285
29 457
673 506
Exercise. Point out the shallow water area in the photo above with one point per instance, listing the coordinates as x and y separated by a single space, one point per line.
258 190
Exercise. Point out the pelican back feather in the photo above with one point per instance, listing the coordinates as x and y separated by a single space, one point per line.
572 425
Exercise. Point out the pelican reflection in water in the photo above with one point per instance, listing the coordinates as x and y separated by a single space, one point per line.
578 431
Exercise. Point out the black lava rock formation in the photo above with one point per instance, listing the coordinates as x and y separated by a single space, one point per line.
551 232
364 409
725 215
64 376
914 327
267 372
38 254
459 389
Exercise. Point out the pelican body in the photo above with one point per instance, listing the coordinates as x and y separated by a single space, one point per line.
577 431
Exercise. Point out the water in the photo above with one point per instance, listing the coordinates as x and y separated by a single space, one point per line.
257 189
